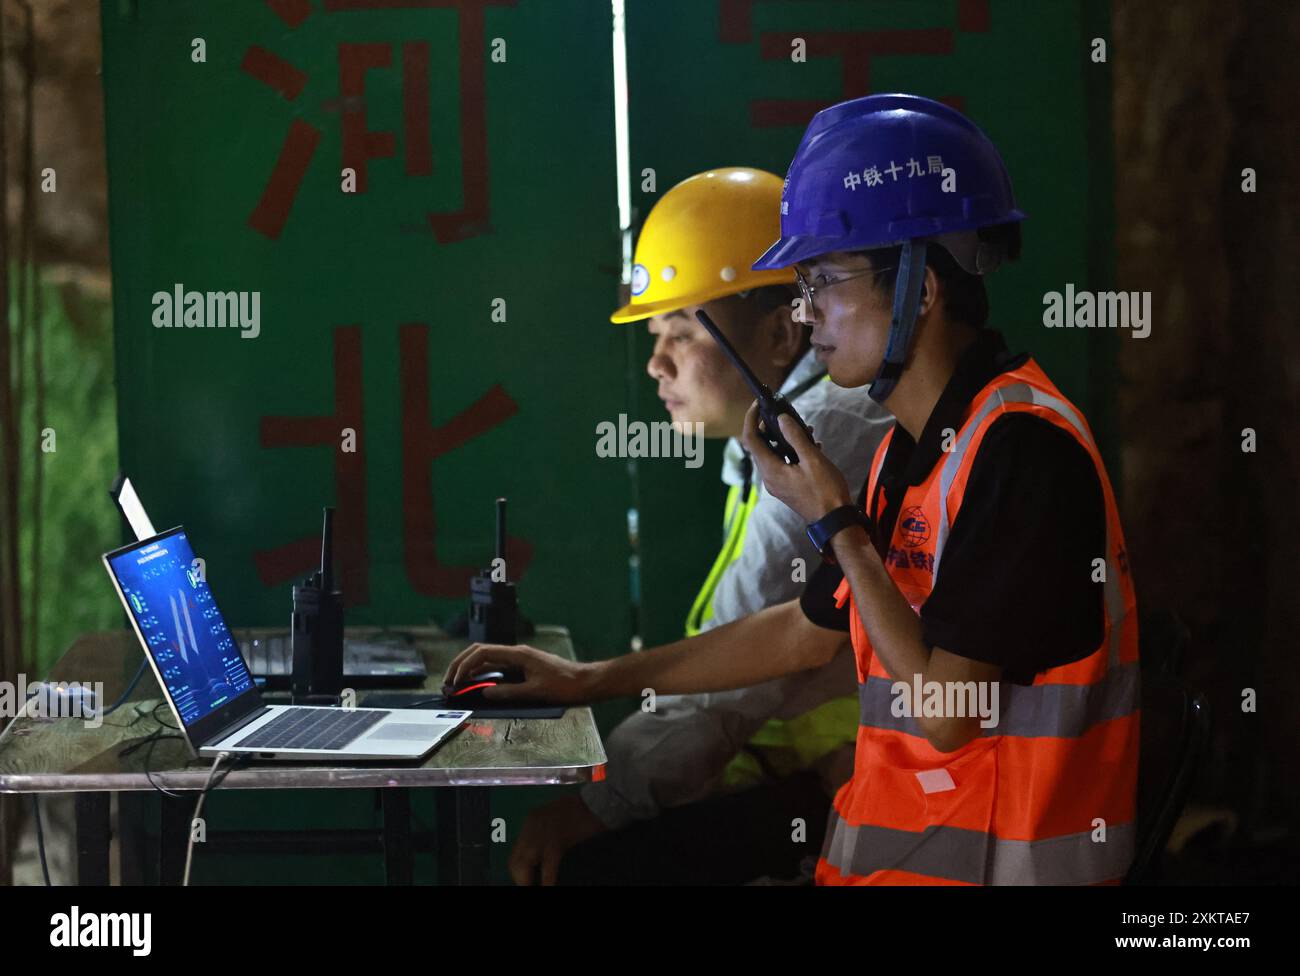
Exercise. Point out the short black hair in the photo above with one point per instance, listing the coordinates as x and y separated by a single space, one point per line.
762 300
767 297
964 294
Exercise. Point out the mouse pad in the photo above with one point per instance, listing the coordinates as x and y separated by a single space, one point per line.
407 699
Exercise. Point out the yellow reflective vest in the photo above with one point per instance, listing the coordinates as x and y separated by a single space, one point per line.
780 747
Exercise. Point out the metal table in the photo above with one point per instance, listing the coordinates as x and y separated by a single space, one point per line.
63 755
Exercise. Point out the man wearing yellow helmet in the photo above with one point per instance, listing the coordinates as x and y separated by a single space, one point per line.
768 755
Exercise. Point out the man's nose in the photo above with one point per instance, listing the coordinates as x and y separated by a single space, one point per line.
659 366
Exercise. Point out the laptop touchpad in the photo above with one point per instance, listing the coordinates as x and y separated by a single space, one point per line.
405 732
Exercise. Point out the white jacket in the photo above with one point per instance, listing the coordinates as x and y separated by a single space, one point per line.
677 753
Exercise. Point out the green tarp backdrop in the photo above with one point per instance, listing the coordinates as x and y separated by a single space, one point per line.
481 136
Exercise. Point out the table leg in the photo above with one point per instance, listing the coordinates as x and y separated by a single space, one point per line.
92 826
399 863
464 815
175 819
131 843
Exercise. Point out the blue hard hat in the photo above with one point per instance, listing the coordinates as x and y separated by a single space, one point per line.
894 169
870 173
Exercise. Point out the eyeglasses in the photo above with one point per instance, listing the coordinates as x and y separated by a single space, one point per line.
807 289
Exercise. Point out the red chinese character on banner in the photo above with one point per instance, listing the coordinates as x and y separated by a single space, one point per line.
854 48
422 444
360 145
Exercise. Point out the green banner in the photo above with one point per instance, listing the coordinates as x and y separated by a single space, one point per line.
417 200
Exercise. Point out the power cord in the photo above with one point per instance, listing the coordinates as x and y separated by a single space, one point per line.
40 838
149 742
198 808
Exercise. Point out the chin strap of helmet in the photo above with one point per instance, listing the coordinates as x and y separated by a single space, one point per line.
907 297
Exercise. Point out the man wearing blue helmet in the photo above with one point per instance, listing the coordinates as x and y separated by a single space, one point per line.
980 575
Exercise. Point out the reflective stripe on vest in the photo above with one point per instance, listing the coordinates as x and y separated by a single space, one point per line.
735 520
1028 711
973 857
1048 795
1024 393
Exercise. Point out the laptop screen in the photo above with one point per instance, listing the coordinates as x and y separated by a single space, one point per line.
194 652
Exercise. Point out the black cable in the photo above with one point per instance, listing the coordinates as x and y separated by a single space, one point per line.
154 716
148 743
157 735
426 701
139 715
40 838
139 673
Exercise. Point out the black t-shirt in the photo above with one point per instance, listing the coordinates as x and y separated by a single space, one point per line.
1015 585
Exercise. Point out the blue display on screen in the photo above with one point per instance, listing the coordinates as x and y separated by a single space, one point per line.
195 653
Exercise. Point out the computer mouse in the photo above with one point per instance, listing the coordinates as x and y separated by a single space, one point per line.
468 693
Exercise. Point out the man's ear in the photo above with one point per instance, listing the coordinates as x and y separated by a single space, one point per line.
785 336
929 292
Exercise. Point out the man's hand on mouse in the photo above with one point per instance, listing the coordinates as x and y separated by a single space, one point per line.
546 837
546 677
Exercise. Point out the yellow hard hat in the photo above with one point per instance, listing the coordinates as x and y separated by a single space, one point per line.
699 241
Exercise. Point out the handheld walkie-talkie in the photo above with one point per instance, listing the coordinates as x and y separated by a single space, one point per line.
316 629
493 603
770 405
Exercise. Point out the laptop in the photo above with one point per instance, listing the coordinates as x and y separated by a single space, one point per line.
210 689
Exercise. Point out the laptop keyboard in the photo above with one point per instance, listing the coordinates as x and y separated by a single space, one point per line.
313 728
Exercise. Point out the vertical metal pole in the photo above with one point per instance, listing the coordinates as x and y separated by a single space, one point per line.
464 828
92 831
175 822
399 863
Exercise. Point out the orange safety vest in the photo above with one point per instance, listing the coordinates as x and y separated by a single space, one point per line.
1048 794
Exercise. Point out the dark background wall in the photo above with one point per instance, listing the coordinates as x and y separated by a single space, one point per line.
1202 91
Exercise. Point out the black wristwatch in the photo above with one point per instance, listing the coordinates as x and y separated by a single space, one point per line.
829 525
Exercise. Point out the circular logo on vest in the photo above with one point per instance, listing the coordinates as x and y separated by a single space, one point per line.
640 278
915 526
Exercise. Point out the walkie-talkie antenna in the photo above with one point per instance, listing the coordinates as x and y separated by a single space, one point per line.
758 388
770 405
316 629
327 552
501 529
